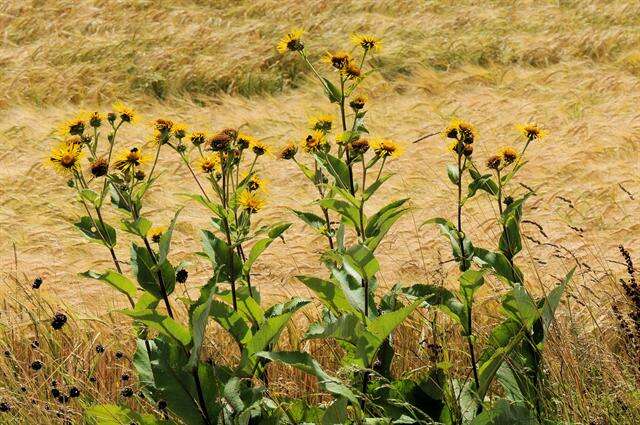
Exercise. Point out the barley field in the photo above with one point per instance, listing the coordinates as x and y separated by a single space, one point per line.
571 66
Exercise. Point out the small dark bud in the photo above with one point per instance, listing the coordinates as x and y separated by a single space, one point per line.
59 320
37 365
181 147
99 349
71 183
37 282
62 398
508 200
35 344
182 275
124 377
119 355
140 175
55 393
126 392
111 117
74 392
5 407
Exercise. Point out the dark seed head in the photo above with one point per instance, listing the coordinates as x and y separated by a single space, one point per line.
92 379
508 200
5 407
119 355
126 392
124 377
99 349
7 353
55 393
162 404
181 276
59 320
99 167
74 392
37 365
36 283
35 344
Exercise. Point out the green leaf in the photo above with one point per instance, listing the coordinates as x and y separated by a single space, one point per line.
307 364
110 414
248 307
360 258
116 280
142 267
520 306
91 196
336 168
373 187
552 301
380 223
345 328
506 412
499 263
165 239
333 93
260 246
330 294
481 182
311 219
349 213
470 281
98 232
139 227
231 321
510 242
161 323
198 319
219 253
217 209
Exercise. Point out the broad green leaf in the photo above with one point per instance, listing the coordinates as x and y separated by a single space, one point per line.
349 213
217 209
373 187
198 319
165 239
248 307
259 247
97 232
114 279
329 293
333 93
362 260
470 281
161 323
139 227
307 364
453 173
520 306
291 306
231 321
481 182
510 240
380 223
345 328
226 262
91 196
552 301
142 267
110 414
336 168
499 263
506 412
311 219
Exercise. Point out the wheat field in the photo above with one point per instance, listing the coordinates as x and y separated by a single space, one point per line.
572 65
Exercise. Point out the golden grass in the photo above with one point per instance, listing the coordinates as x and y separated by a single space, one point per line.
571 65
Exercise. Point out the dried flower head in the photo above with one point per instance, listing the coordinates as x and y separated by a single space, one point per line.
467 150
289 151
182 275
531 131
37 282
366 41
291 41
99 167
494 162
59 320
220 142
360 146
351 70
163 125
65 158
386 148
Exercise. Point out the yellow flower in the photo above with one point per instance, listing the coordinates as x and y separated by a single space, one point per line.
386 148
289 151
315 141
321 122
74 126
125 113
291 41
256 183
244 141
509 155
531 131
366 41
65 158
179 131
460 130
351 70
155 233
251 202
198 138
209 163
259 148
74 140
339 60
130 158
95 119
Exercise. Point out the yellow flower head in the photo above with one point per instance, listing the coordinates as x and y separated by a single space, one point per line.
531 131
289 151
321 123
339 60
256 183
291 41
95 119
74 126
130 158
65 158
351 71
315 142
358 102
125 113
366 41
386 148
179 131
251 202
75 140
243 141
460 130
209 163
198 138
509 155
155 233
259 148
